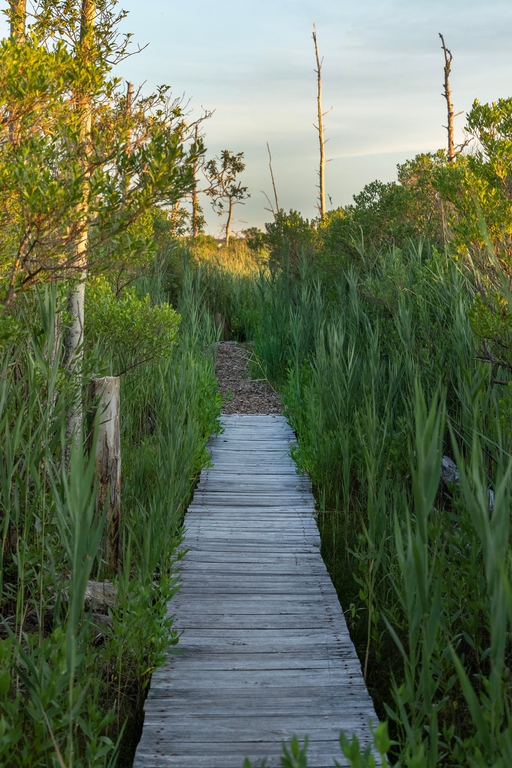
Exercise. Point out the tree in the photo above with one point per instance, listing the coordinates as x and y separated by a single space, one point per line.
60 187
89 162
453 150
74 336
224 188
197 216
479 185
320 128
271 209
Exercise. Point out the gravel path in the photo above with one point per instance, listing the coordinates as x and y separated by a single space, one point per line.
246 395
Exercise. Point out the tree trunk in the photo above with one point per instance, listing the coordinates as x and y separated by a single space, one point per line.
107 458
73 345
174 217
228 222
448 96
195 201
320 129
18 20
18 15
73 341
129 107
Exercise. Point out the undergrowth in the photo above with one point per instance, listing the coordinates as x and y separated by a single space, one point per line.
73 677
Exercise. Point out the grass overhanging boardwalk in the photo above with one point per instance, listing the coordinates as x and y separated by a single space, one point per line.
265 649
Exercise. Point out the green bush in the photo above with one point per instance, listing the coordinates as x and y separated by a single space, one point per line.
128 331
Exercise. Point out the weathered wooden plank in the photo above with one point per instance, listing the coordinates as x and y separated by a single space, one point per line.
294 701
281 664
266 639
229 756
265 522
286 696
205 570
191 556
253 605
174 728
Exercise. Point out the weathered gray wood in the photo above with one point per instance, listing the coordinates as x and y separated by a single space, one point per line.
107 462
264 651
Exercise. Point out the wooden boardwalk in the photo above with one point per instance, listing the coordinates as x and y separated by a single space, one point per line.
265 649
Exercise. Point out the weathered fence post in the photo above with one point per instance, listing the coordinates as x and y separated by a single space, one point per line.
106 393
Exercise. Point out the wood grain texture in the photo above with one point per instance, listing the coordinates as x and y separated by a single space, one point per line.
265 652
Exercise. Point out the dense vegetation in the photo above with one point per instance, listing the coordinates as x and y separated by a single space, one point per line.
85 169
386 325
386 328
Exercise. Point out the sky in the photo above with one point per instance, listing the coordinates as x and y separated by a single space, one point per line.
252 62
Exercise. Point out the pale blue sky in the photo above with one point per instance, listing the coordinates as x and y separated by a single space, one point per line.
252 62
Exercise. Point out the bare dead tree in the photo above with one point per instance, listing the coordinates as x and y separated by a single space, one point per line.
453 150
270 208
320 129
273 179
195 192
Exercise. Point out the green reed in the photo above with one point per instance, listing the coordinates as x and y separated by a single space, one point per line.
65 696
380 378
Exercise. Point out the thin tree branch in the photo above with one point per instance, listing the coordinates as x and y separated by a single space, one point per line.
278 207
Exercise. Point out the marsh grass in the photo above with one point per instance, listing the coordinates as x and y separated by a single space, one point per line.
69 696
380 377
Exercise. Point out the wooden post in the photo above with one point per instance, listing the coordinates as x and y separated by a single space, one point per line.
106 393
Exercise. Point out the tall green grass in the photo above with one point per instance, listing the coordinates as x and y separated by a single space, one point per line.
71 680
380 379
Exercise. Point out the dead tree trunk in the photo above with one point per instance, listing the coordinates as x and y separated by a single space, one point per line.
273 180
73 341
448 96
106 393
228 222
129 101
320 129
195 200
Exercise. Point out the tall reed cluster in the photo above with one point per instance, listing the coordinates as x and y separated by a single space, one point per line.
73 673
380 380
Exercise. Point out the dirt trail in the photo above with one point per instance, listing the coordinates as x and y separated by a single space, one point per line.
246 395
